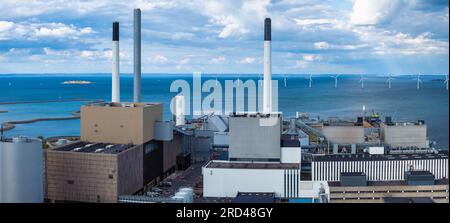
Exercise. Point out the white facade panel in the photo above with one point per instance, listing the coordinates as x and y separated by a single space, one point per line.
227 182
291 155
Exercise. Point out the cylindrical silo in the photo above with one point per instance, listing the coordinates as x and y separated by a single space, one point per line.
21 170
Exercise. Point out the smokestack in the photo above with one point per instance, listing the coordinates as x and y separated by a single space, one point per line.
137 56
267 88
115 95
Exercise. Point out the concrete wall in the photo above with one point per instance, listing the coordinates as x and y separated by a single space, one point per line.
222 182
120 125
250 140
170 151
405 136
344 134
291 155
130 169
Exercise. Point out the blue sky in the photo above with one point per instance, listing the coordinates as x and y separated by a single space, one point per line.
181 36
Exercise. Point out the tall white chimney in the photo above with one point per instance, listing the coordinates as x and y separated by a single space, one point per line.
115 95
137 56
267 88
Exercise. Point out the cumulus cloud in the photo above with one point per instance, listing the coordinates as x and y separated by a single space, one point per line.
159 59
247 60
367 12
31 31
218 60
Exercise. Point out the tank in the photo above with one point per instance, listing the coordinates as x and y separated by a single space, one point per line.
21 170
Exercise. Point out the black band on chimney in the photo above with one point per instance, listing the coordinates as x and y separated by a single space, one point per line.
115 34
267 30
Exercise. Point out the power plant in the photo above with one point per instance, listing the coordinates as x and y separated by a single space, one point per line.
128 153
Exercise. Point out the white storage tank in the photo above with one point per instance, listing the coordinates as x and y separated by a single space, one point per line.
21 170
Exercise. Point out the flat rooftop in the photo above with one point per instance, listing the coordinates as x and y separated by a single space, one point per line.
384 157
124 104
389 183
87 147
250 165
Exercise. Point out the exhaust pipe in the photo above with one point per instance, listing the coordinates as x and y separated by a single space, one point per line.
115 95
267 88
137 56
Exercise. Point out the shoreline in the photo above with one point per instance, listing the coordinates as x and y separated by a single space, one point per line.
8 125
51 101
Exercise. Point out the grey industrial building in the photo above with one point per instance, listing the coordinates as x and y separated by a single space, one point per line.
384 167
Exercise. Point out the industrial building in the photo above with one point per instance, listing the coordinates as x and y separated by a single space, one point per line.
124 148
343 133
95 172
250 140
386 167
405 134
120 123
389 192
21 170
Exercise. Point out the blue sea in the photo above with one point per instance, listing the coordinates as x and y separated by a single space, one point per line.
403 101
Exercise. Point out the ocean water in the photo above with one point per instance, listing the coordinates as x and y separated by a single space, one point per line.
403 101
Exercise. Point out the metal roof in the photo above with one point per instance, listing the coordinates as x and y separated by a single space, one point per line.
87 147
250 165
383 157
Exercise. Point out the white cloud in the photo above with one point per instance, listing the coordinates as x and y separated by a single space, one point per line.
311 22
152 4
218 60
369 12
182 36
235 17
159 59
248 60
183 61
321 45
311 57
33 31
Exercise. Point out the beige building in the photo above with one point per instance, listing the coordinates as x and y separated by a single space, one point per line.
93 172
343 134
120 122
405 135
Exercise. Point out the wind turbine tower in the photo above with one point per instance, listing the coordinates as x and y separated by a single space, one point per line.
310 80
446 82
361 79
418 81
335 80
389 80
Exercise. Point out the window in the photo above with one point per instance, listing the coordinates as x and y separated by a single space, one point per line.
70 182
110 176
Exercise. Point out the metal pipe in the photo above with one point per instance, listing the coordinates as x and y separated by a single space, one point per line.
137 56
115 95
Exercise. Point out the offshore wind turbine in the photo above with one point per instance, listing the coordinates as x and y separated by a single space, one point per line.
335 80
418 81
361 79
217 82
310 80
446 82
285 81
389 80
